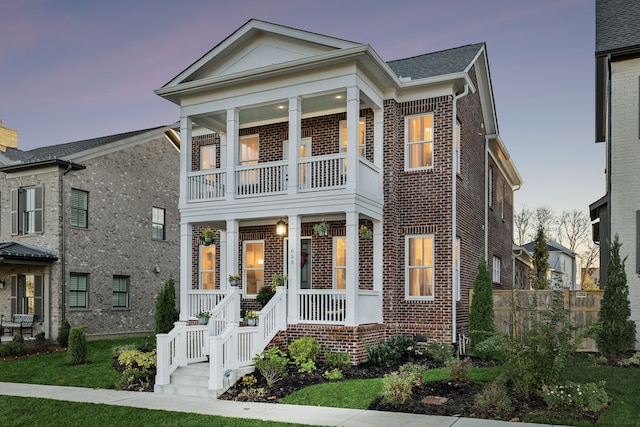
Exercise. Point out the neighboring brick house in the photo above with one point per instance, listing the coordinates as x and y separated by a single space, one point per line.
90 231
409 149
617 125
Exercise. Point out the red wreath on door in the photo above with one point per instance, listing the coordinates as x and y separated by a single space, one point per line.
303 258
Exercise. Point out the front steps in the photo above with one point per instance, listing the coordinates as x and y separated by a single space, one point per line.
193 381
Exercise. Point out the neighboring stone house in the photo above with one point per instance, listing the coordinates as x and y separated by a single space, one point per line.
617 213
565 266
283 130
89 231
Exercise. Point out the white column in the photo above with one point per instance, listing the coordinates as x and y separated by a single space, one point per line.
185 157
185 269
233 143
352 269
353 131
231 248
224 273
295 134
378 271
293 263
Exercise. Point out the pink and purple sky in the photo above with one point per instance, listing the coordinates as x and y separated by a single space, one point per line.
73 70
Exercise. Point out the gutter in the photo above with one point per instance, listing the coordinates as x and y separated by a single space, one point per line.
454 182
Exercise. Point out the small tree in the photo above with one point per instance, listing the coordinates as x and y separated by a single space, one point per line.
481 313
540 262
77 345
63 334
166 311
616 333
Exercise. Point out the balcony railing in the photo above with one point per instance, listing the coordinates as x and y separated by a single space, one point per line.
261 179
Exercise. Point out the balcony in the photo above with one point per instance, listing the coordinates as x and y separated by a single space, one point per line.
318 173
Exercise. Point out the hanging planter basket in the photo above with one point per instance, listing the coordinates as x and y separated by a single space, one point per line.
207 237
321 228
365 232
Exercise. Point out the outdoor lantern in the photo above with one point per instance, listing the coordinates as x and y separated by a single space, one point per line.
281 228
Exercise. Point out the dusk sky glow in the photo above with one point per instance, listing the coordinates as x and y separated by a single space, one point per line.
73 70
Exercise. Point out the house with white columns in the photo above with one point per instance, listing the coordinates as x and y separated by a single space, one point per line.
375 187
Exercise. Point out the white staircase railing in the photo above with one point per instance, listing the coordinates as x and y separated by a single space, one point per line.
236 347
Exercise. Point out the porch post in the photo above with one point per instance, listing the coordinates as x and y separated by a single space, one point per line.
185 269
231 248
185 157
293 263
232 140
224 283
378 271
353 136
295 133
352 269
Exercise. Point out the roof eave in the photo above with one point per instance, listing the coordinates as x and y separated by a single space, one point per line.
42 163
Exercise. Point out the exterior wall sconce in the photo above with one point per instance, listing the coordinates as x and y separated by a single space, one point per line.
281 228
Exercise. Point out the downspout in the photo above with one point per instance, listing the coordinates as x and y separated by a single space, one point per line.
62 250
454 182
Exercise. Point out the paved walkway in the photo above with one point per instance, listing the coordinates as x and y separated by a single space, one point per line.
313 415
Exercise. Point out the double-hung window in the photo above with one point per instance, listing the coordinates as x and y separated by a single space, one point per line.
419 142
340 262
419 267
157 223
249 155
207 157
78 290
27 210
79 208
343 137
208 267
253 256
496 269
120 291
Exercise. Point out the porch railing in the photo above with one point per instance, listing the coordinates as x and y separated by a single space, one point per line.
322 172
206 185
203 300
261 179
322 306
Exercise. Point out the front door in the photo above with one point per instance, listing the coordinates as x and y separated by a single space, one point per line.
305 262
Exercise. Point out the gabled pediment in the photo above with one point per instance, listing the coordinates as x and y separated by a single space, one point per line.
257 45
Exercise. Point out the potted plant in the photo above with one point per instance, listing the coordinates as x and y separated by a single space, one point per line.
251 316
265 294
203 317
365 232
207 236
321 228
279 279
234 279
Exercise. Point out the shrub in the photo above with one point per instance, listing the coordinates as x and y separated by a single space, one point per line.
254 393
4 350
15 347
77 346
616 331
272 364
135 379
304 352
166 312
391 352
40 339
494 397
333 374
338 360
481 310
489 348
136 359
631 361
63 334
576 397
397 387
265 294
459 370
248 380
439 352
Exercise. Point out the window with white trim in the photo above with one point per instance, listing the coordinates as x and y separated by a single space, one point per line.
249 155
419 142
207 157
78 290
79 208
419 267
496 269
27 210
208 267
490 187
253 269
339 262
120 292
344 135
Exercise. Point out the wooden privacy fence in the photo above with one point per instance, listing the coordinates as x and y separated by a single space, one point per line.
583 307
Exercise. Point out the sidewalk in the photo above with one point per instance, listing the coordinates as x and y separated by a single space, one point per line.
313 415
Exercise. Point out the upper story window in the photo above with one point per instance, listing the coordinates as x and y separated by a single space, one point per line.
253 256
490 186
79 208
497 263
343 137
207 157
419 142
27 210
249 150
340 262
419 267
157 223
